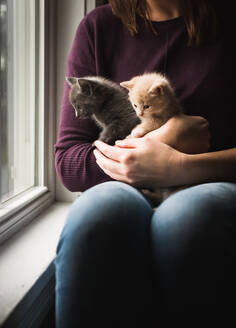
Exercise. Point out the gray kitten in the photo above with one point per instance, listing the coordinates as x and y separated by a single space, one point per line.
106 103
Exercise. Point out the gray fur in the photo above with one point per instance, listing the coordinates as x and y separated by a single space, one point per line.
104 102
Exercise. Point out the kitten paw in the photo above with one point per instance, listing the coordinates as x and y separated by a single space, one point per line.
137 133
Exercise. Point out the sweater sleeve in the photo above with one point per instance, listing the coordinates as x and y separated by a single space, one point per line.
75 163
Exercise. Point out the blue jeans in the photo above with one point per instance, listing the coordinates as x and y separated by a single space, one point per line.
120 263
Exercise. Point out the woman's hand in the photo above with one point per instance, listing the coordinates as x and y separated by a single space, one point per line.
188 134
155 160
142 162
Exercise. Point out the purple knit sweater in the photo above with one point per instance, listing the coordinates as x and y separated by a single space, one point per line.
103 46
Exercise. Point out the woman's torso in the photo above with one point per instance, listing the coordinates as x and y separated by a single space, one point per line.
201 76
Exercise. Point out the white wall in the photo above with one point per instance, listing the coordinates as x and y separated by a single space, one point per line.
69 14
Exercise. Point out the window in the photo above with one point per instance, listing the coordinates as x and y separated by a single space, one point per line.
18 105
25 116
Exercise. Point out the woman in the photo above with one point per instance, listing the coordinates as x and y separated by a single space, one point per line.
121 263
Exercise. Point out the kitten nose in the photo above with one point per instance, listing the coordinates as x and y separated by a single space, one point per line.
140 113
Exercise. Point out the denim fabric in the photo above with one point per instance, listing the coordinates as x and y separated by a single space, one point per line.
120 263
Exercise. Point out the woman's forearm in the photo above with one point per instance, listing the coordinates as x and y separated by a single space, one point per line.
206 167
188 134
146 163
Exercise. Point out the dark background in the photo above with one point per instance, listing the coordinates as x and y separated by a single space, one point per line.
101 2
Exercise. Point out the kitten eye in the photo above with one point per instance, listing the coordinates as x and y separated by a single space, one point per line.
135 105
146 106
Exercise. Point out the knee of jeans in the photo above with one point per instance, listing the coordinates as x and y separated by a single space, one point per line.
190 218
103 207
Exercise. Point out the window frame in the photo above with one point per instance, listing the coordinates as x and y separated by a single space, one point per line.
22 209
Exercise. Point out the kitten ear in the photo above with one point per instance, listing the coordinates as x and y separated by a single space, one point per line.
72 80
157 90
128 84
87 87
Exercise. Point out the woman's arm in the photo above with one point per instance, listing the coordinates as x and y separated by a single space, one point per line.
188 134
215 166
74 159
148 163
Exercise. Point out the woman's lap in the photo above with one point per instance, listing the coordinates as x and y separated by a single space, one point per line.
193 238
112 238
103 261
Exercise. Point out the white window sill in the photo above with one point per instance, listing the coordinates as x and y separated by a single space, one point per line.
25 256
14 205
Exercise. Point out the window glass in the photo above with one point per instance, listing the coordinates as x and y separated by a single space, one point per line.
18 95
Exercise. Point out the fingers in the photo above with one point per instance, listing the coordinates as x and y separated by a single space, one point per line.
105 162
111 152
112 168
128 142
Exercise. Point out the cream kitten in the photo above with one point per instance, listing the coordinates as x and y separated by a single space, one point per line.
154 101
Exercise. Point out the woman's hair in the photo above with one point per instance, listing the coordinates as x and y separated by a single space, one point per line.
199 16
